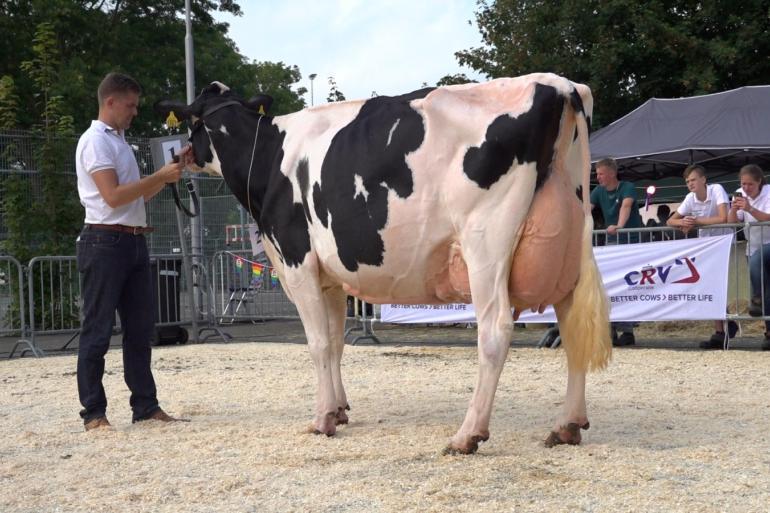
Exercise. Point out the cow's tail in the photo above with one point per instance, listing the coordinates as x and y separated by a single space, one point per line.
585 328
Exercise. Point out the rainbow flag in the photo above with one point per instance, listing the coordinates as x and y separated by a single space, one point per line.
273 278
256 270
239 263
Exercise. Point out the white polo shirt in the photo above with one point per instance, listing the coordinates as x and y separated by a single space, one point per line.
103 147
692 206
758 235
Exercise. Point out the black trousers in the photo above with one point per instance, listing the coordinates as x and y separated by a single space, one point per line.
115 274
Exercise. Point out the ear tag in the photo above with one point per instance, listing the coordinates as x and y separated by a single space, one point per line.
171 120
262 110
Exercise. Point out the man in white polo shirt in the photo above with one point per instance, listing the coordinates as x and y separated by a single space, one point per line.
112 254
706 204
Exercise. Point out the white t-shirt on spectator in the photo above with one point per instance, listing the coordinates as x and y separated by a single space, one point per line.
103 147
691 206
757 235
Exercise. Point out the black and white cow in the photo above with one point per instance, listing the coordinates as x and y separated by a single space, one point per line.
454 194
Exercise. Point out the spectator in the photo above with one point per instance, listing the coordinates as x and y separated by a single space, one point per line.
705 204
751 204
617 201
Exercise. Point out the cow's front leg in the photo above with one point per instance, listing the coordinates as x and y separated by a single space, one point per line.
305 288
495 331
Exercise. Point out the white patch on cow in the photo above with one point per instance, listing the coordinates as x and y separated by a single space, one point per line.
360 189
223 129
392 129
222 88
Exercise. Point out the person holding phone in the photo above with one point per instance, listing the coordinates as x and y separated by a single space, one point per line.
751 204
706 204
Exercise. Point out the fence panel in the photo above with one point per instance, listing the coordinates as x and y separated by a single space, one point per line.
12 304
246 288
53 295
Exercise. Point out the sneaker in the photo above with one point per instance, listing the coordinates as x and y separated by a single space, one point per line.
625 339
755 307
732 329
717 341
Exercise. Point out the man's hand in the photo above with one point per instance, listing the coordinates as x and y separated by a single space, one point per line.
186 155
612 229
172 172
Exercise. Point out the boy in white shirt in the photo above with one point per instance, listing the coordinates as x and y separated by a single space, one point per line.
705 204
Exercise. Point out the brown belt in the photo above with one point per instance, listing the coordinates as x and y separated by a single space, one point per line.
135 230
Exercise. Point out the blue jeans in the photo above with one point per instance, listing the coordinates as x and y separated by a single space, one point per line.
115 274
759 272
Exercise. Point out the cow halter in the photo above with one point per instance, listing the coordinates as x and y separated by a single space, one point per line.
248 179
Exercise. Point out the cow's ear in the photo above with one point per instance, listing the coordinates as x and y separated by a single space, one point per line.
171 110
260 103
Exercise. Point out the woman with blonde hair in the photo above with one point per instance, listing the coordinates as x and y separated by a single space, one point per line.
751 204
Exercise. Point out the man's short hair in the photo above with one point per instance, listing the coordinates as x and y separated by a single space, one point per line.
608 162
117 83
694 168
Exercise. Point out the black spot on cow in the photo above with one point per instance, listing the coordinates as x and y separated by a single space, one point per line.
577 105
529 137
268 194
319 202
304 182
372 147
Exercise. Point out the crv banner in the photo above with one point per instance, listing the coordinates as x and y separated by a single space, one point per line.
652 281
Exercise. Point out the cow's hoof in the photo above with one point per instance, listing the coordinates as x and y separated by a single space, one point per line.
326 425
469 447
569 434
342 417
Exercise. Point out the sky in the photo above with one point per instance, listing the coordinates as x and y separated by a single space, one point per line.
385 46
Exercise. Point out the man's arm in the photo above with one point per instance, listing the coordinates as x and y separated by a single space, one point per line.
625 211
720 218
116 194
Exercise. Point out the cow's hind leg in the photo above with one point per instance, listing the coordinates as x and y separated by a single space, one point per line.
584 329
335 299
489 288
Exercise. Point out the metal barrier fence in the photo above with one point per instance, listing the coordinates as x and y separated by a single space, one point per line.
45 299
239 287
246 288
13 306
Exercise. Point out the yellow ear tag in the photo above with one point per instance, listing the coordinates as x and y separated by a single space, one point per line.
262 110
171 120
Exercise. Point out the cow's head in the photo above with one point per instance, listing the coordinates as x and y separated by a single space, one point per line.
205 114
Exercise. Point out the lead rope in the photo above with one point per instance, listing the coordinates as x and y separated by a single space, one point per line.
248 180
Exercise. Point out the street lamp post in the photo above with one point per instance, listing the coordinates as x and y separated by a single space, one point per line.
312 77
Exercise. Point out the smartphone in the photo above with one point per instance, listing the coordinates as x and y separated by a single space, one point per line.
738 194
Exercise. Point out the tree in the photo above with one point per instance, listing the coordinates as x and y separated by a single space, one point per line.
335 95
49 228
276 79
142 38
456 79
627 51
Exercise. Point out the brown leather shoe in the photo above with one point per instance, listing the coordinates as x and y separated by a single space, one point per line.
162 416
99 422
